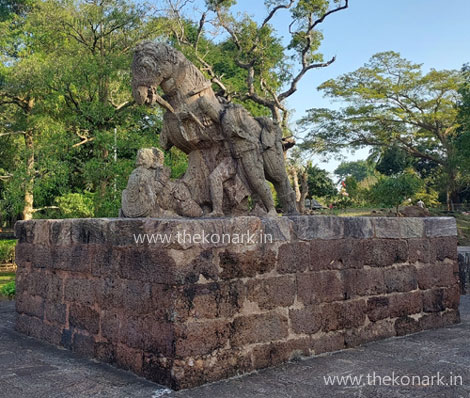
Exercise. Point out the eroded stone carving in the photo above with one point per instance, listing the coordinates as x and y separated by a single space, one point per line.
230 153
151 193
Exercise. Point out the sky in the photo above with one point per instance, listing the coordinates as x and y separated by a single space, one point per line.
435 33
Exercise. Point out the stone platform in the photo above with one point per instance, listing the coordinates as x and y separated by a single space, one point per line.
184 302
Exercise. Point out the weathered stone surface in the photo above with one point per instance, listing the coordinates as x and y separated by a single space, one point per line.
75 257
81 290
411 228
273 354
184 313
201 338
394 305
328 342
442 226
358 227
230 153
307 320
420 250
343 315
433 300
83 344
30 305
439 274
129 358
259 328
245 264
363 282
35 327
319 227
84 317
445 247
400 278
111 325
387 227
293 257
406 325
272 293
370 332
320 287
385 252
55 312
208 301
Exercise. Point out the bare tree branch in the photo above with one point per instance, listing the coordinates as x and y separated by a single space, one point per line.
11 133
276 9
44 208
6 177
293 86
84 138
326 14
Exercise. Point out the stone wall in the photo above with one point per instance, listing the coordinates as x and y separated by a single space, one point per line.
464 269
183 313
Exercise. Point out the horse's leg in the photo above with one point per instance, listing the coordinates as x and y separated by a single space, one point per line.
225 170
275 172
252 163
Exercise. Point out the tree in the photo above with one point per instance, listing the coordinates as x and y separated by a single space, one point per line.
393 191
359 169
319 182
390 102
18 105
393 160
253 56
463 139
80 124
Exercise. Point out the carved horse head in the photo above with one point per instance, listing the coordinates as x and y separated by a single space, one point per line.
159 65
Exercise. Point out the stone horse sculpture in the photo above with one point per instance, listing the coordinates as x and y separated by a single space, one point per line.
230 153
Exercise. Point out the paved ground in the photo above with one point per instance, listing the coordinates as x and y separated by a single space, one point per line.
31 369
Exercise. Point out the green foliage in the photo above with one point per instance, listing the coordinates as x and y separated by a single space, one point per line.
68 124
342 202
391 103
7 251
393 160
428 195
359 169
462 142
352 187
393 191
248 60
9 290
78 108
177 161
319 182
76 205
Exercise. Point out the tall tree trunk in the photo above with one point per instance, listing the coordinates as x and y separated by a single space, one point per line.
28 208
295 182
303 190
451 194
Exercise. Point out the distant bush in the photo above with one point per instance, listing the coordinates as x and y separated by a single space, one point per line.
393 191
76 205
7 251
9 290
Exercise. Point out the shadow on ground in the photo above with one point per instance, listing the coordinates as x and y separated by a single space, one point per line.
29 368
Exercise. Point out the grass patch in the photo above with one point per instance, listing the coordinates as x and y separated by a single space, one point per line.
7 277
7 251
463 227
7 284
8 290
